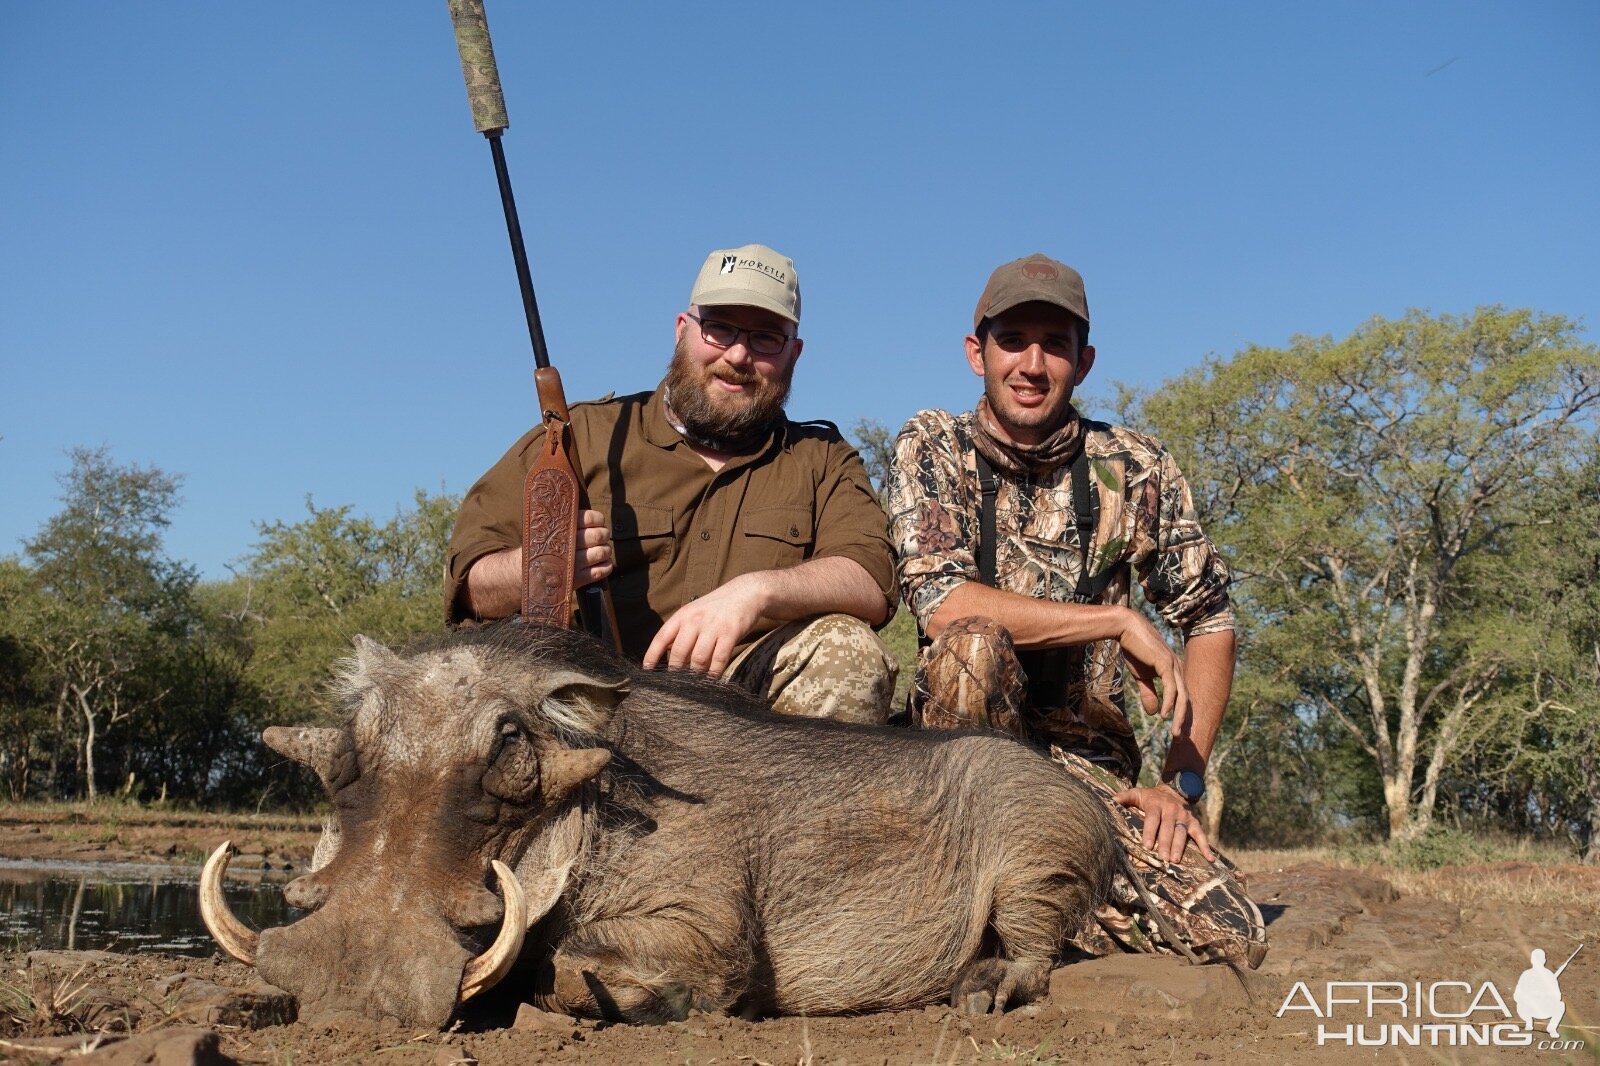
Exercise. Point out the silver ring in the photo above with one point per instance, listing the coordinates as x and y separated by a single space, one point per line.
1181 825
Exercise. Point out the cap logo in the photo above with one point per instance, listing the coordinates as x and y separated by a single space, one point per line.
1040 271
728 263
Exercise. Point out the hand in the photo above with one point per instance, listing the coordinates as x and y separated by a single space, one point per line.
1169 822
1150 659
702 634
593 560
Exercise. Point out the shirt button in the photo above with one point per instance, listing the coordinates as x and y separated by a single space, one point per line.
794 531
705 534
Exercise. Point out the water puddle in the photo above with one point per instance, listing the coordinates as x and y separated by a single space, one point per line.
121 907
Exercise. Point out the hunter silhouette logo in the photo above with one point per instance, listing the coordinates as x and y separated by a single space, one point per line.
1538 993
1451 1013
728 263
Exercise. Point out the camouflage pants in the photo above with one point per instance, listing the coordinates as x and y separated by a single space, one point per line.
831 666
971 678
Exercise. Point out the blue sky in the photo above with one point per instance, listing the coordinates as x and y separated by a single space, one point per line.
259 245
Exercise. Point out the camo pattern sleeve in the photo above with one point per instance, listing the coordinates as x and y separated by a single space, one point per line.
1183 575
933 512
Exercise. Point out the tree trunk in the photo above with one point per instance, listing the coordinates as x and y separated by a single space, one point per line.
1397 798
1211 810
88 740
57 736
1591 791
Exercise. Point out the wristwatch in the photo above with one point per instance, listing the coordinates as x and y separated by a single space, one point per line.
1188 784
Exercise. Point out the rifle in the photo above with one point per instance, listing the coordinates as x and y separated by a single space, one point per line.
553 493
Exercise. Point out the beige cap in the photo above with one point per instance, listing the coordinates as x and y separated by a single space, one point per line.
1038 277
751 276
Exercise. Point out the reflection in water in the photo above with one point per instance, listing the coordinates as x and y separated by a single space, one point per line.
121 908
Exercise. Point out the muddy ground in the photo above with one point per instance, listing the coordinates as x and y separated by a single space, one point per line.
1327 924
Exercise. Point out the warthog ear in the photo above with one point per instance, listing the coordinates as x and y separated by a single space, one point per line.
566 768
574 701
373 660
319 749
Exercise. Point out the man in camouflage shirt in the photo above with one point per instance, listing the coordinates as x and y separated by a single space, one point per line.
1029 633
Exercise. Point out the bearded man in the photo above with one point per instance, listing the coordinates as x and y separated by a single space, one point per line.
1020 527
738 543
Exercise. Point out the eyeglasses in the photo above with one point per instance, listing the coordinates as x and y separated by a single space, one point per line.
726 335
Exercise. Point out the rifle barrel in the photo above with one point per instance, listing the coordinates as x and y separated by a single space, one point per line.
519 251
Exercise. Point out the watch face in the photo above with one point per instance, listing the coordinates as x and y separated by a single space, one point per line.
1190 785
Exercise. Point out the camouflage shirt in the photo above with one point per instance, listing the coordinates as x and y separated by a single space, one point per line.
1147 526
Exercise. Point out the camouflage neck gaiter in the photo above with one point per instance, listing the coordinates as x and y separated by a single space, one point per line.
1026 460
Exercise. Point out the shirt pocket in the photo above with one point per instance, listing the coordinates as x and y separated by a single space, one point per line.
642 538
775 537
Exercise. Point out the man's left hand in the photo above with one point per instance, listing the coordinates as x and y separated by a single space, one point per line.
1169 822
702 634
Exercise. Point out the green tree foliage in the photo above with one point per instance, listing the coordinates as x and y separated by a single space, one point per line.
1359 487
119 670
25 703
309 587
105 605
1537 770
875 442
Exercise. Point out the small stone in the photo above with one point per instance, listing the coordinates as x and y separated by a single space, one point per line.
532 1018
163 1047
72 961
256 1007
99 1010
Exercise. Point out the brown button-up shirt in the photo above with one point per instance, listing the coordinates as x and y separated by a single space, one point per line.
679 528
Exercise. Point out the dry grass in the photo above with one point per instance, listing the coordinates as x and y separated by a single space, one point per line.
1529 874
43 1003
114 812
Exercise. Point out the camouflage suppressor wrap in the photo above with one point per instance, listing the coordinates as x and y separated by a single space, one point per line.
477 65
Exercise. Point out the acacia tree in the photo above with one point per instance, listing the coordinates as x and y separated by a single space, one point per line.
1542 758
1352 481
108 598
308 587
24 698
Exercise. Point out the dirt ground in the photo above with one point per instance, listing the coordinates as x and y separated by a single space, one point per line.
1328 924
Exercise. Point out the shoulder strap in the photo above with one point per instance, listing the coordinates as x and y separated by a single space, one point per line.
988 485
1086 512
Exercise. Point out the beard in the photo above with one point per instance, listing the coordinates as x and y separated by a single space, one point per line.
725 422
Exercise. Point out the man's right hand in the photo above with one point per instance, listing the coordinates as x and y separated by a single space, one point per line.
494 583
1150 660
595 560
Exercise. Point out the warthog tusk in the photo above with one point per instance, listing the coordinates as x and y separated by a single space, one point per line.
485 971
231 935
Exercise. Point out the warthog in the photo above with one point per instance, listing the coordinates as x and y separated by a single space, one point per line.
675 846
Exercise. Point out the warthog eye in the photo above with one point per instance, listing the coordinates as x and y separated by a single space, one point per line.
513 773
343 767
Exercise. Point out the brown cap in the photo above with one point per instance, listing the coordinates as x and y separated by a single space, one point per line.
1038 277
752 275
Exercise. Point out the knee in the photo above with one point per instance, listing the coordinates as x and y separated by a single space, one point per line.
836 667
979 646
970 678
